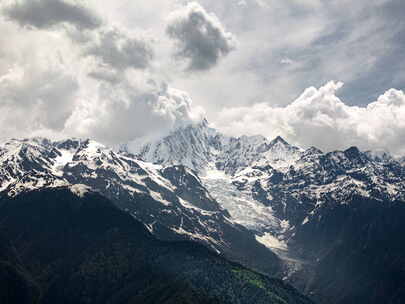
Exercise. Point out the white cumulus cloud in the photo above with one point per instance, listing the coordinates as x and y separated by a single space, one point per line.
319 118
130 109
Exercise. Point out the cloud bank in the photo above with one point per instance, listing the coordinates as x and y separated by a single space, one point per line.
91 78
200 37
69 69
319 118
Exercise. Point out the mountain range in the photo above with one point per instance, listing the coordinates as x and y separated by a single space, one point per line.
326 222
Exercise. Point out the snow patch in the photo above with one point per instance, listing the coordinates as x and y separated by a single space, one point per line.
196 237
62 160
271 242
80 190
159 198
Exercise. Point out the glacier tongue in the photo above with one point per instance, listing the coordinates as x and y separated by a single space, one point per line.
245 210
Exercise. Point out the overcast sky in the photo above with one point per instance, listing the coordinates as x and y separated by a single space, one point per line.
328 73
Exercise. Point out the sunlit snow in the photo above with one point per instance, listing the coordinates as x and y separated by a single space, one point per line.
243 209
271 242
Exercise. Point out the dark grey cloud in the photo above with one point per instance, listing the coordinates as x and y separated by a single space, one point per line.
43 14
119 49
114 48
201 38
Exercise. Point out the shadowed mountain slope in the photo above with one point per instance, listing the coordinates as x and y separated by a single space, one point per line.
62 248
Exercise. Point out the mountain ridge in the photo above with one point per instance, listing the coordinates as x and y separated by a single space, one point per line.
171 202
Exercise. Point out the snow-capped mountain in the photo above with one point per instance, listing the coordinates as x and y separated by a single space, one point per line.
223 164
301 203
277 182
199 146
171 201
190 146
